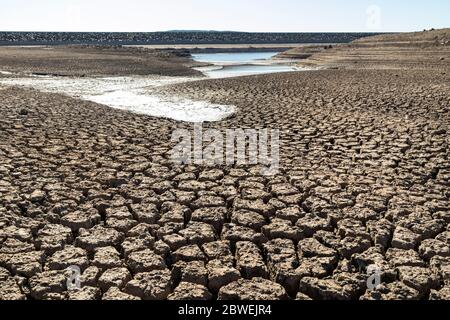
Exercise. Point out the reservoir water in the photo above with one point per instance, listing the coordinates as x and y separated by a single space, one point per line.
233 57
235 64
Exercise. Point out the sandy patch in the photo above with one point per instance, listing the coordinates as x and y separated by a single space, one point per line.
134 93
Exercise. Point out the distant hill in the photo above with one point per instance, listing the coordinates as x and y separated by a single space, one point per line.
438 36
428 49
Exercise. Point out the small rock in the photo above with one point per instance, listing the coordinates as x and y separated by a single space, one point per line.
220 275
175 241
394 291
23 112
188 253
10 290
257 206
37 196
349 246
106 257
47 282
257 289
248 219
283 229
115 277
404 239
302 297
198 233
407 258
98 237
85 294
292 213
431 247
190 292
154 285
77 220
282 263
90 277
313 248
69 256
213 216
442 295
421 279
235 233
218 250
345 287
249 261
318 267
441 266
145 261
310 224
115 294
53 237
191 272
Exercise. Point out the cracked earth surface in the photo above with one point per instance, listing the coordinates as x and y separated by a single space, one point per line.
364 180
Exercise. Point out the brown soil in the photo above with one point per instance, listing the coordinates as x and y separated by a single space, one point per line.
364 180
94 61
426 50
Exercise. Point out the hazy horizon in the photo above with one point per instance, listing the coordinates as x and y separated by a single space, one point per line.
233 15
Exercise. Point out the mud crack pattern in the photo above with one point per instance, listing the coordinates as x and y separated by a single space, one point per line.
364 180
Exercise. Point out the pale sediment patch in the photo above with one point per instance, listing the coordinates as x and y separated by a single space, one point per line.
231 71
134 93
165 106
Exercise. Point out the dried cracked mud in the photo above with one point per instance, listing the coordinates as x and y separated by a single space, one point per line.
364 180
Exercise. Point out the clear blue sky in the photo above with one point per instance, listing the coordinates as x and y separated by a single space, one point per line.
239 15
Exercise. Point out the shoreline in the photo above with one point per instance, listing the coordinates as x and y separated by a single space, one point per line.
223 48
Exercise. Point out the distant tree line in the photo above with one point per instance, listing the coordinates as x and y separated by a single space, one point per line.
177 37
